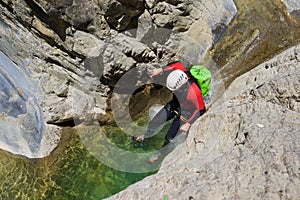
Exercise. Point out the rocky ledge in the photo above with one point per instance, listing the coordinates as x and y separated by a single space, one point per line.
245 147
70 54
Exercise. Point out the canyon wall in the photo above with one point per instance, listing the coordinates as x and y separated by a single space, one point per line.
245 147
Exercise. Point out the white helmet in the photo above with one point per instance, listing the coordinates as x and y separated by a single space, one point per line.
176 79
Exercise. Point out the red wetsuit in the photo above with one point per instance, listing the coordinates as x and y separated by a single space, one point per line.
192 100
187 101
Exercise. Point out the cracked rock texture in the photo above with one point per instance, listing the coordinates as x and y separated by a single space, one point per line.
73 52
247 146
60 61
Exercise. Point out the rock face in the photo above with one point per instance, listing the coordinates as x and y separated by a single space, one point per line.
45 82
73 53
21 108
291 5
61 60
245 147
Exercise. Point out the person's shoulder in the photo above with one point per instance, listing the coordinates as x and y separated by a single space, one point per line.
194 89
179 65
194 86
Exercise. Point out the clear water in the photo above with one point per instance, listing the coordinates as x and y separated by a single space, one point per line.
70 172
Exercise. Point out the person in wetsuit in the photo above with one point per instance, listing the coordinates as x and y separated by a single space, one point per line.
186 106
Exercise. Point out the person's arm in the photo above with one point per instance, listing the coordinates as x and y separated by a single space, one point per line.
170 66
173 66
157 71
187 125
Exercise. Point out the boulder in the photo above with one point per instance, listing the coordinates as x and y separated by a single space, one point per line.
121 14
19 106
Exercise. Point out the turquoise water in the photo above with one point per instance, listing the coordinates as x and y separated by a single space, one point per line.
70 172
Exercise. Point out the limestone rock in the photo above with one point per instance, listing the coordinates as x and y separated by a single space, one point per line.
245 146
22 124
292 5
120 14
150 3
49 78
84 44
76 13
145 25
74 51
81 13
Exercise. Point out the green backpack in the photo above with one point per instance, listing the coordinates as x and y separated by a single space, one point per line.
203 77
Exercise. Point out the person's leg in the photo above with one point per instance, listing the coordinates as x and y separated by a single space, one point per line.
173 130
164 115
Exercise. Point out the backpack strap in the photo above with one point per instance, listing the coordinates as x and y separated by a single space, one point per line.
192 79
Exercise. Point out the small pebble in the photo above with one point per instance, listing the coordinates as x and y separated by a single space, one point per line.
260 125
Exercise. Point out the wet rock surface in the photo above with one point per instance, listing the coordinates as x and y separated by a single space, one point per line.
271 27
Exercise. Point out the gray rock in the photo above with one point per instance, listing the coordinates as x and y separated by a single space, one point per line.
150 3
74 52
245 147
84 44
291 5
81 13
44 89
120 14
145 25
